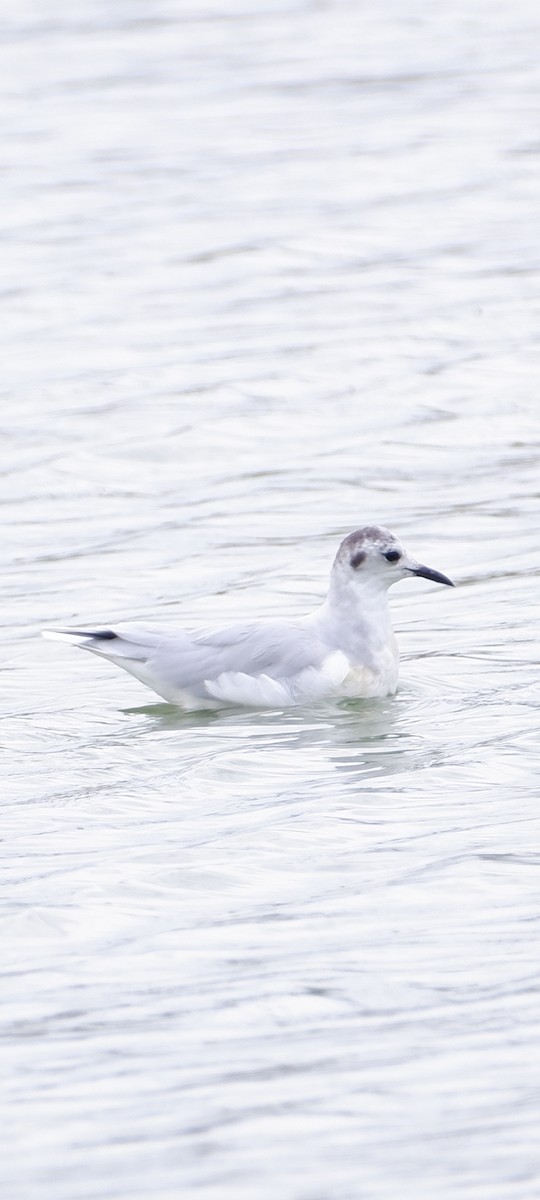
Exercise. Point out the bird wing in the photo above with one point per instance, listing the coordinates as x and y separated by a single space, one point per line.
258 663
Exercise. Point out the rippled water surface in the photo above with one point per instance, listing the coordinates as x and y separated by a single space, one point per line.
270 271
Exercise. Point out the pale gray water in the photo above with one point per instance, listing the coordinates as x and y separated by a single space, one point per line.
270 271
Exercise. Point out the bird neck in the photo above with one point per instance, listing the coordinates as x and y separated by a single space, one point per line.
366 598
356 618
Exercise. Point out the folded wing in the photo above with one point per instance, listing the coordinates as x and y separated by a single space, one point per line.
263 664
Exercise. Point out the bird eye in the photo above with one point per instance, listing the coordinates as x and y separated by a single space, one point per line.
392 555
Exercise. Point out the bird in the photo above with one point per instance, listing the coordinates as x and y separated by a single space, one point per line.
346 649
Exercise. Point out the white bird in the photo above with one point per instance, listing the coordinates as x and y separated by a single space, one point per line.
345 649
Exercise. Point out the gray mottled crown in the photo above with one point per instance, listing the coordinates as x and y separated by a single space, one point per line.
369 535
374 535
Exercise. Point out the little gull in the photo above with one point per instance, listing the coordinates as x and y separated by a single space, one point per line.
345 649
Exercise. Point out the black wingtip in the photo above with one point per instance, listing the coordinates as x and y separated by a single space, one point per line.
104 635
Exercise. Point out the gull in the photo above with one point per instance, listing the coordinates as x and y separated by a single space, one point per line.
346 649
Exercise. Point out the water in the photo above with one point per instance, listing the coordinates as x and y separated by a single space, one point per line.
270 272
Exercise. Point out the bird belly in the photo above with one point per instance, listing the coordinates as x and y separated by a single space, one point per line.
365 682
